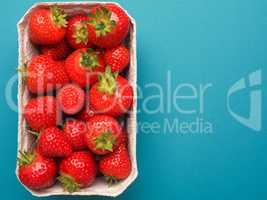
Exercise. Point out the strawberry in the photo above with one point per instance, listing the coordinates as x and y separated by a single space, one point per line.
77 171
47 26
71 98
61 64
74 130
124 137
57 51
103 134
116 165
87 112
77 32
45 74
41 112
83 65
112 95
117 58
53 143
35 171
109 25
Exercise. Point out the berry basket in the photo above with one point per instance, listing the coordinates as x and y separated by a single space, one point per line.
26 51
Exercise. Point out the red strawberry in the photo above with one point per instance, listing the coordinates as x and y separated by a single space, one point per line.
53 143
112 95
117 58
35 171
83 65
61 64
77 32
56 51
124 137
41 112
87 112
77 171
117 165
109 25
74 130
47 26
71 98
45 74
103 134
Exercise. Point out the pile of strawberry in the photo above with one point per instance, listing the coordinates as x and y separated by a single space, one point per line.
77 94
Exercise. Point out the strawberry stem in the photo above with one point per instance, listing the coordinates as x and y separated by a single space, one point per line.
23 71
25 158
59 17
105 141
36 134
69 184
89 59
101 21
81 33
111 180
107 82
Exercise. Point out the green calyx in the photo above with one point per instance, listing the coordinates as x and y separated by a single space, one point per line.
81 33
107 82
105 141
59 17
69 183
101 21
34 133
89 59
23 71
26 158
111 180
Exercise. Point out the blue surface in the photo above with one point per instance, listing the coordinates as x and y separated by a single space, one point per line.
200 42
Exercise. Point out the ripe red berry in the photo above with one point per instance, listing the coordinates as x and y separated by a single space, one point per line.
45 74
116 165
87 112
57 51
35 171
77 32
71 98
103 135
109 25
117 58
53 143
83 66
41 112
47 26
124 137
74 131
112 95
77 171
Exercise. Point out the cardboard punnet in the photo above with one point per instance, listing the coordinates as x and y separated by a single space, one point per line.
26 51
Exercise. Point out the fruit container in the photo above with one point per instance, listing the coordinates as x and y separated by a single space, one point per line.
25 140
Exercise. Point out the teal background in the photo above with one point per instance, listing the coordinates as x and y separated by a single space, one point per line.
199 41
